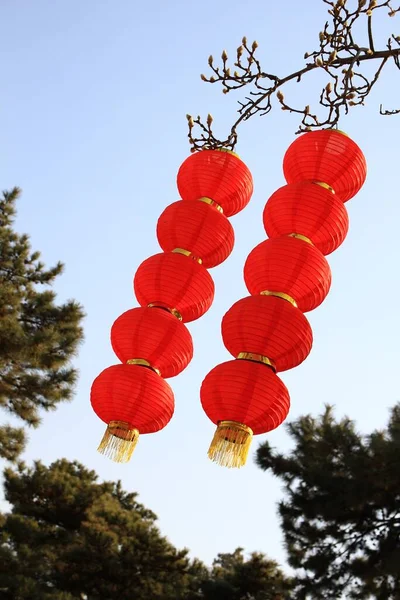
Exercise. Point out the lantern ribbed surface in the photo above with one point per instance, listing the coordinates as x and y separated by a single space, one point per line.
291 266
134 395
218 175
270 327
310 210
197 227
176 282
246 392
328 156
154 335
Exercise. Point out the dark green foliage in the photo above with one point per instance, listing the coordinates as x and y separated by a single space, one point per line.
69 537
234 578
12 442
341 516
68 534
37 337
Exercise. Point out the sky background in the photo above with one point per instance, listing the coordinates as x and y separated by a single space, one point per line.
93 128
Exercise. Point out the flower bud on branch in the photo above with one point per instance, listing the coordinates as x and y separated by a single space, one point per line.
339 53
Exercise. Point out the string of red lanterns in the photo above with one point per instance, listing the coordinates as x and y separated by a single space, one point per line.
173 288
286 275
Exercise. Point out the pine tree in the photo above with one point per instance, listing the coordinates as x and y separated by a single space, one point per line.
37 337
234 578
70 537
341 514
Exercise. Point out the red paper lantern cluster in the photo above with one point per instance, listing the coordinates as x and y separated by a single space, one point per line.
287 276
172 288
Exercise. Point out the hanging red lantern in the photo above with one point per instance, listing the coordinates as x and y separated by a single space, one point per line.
267 332
267 328
219 175
176 282
309 209
171 287
198 227
132 400
328 156
291 268
242 398
155 336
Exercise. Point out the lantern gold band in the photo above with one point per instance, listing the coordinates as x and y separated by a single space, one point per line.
236 425
257 358
280 295
325 185
300 236
187 253
142 363
173 311
211 202
122 430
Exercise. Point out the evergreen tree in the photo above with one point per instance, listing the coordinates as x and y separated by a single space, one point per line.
70 537
37 337
341 515
234 578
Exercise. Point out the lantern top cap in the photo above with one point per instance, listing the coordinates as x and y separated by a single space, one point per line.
330 129
227 150
341 132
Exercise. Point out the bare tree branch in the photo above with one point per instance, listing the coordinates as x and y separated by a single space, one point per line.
338 55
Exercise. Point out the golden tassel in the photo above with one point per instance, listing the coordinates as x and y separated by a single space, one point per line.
231 444
119 441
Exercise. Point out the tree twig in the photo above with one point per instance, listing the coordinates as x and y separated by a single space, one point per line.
338 55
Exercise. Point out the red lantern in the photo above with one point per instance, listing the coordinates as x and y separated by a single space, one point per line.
269 328
328 156
171 287
219 175
132 400
308 209
288 267
242 398
154 336
198 227
304 222
176 282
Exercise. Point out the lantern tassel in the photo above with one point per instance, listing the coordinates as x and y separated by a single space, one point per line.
231 444
119 441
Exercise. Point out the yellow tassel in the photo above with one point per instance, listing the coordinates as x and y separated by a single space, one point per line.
231 444
119 441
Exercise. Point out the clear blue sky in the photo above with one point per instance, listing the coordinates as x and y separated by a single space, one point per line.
92 120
